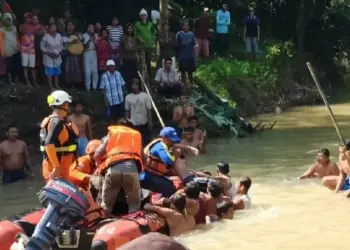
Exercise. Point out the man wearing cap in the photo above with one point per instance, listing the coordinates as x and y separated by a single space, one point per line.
113 83
161 156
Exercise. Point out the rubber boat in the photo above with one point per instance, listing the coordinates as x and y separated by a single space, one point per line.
58 225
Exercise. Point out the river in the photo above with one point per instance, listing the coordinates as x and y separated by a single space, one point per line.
286 213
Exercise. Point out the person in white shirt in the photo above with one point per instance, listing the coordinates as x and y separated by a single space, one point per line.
167 79
242 200
138 109
90 58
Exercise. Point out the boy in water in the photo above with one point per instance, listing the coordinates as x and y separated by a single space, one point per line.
189 140
198 133
322 167
242 200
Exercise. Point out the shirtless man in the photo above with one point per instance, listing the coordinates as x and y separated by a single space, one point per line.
242 200
179 222
198 133
181 114
83 122
14 158
341 182
189 140
322 167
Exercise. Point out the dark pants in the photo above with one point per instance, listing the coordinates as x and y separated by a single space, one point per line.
116 112
129 69
145 132
222 44
170 91
13 176
157 183
148 60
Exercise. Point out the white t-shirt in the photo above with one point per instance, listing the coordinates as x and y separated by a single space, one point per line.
247 201
137 105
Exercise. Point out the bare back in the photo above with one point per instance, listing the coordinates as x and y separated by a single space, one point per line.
198 134
181 115
344 165
13 155
180 224
81 121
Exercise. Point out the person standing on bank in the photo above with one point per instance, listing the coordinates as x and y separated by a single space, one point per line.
251 34
138 108
90 58
223 21
166 46
113 83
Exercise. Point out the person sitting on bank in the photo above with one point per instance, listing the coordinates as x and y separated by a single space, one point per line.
161 155
119 160
322 167
167 79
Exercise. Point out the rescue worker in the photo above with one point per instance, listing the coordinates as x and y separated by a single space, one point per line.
160 162
83 169
122 150
58 138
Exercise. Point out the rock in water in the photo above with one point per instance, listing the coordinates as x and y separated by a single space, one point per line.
154 241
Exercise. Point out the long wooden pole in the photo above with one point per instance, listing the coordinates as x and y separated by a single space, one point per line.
150 96
314 77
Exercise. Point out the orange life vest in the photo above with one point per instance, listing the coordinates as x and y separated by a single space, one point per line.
124 143
154 164
79 171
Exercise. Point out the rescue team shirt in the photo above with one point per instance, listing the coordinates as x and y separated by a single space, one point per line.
161 151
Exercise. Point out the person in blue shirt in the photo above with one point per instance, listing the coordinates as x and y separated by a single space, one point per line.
161 155
251 33
223 21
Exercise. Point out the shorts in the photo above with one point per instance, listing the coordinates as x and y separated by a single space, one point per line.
82 143
251 44
13 176
187 65
157 183
53 71
346 185
28 60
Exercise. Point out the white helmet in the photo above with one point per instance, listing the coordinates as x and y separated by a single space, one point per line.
58 97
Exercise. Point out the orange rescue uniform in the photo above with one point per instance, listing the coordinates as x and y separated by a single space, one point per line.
80 171
58 143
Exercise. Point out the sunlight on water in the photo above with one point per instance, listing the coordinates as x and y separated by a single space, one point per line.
287 213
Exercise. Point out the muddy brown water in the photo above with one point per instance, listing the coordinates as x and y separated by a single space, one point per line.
286 213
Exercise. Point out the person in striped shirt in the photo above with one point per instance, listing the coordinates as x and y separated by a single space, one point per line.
115 32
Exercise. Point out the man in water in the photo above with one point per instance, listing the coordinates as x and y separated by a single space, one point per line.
242 200
341 182
14 157
179 222
189 140
322 167
198 133
181 114
83 122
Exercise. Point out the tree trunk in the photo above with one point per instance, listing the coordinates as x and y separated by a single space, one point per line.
301 26
164 10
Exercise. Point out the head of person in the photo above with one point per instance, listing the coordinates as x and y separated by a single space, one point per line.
115 21
52 28
27 18
91 29
12 132
59 101
168 63
98 27
222 168
91 148
143 15
8 19
215 189
66 14
52 20
183 99
169 136
193 122
188 134
225 210
35 20
110 65
224 6
165 26
130 29
251 11
78 107
125 122
70 26
104 33
206 11
323 156
243 185
136 86
178 202
192 190
185 26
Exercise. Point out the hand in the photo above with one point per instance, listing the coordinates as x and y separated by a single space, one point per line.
177 153
56 173
342 150
194 151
